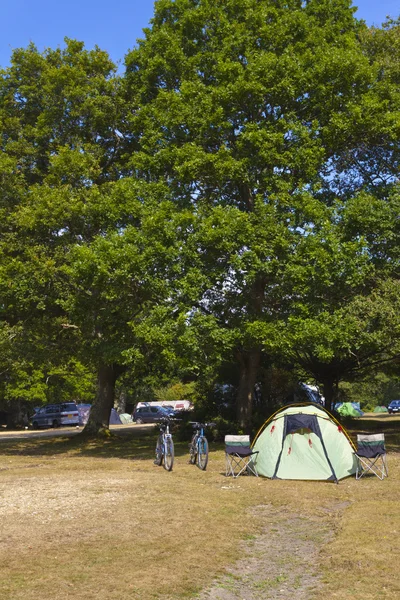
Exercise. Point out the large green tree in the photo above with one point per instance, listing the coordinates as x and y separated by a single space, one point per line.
221 196
58 135
113 286
256 114
82 252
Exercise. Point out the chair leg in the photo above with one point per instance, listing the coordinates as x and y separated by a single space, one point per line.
237 465
376 466
232 466
384 460
228 467
251 468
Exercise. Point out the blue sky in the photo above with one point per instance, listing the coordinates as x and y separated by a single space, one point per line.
114 25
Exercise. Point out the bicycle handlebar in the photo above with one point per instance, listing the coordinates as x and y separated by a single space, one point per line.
197 424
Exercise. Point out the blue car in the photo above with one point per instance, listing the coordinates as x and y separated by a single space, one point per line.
394 407
150 414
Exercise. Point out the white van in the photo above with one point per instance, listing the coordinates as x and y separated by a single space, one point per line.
175 404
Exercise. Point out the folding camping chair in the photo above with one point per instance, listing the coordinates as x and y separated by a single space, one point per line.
371 456
239 456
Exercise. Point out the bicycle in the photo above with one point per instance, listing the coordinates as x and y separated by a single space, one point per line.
165 446
198 447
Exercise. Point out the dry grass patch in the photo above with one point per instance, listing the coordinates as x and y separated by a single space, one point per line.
99 520
366 548
84 526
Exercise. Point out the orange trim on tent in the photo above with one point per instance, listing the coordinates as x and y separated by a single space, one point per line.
329 415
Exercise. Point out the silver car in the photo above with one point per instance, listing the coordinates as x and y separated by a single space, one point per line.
55 415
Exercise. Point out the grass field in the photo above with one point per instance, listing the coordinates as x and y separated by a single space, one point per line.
99 520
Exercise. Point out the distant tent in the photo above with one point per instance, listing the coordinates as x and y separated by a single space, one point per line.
126 418
304 442
348 410
114 418
84 411
380 409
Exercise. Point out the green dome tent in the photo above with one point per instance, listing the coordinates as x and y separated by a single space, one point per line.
348 410
380 409
304 441
125 418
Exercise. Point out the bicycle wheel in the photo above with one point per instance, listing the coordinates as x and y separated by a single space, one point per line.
169 454
202 456
159 451
193 450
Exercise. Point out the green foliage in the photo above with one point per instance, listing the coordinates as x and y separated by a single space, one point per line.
176 391
377 388
258 115
222 428
230 201
83 252
71 382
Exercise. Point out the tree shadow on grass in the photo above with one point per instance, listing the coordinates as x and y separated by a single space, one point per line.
138 444
390 427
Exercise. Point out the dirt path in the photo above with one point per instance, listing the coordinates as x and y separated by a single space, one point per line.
130 428
279 563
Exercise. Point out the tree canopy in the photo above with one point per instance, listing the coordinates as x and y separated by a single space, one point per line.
258 116
232 198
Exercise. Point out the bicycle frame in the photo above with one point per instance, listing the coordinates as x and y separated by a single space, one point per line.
199 434
198 447
166 435
165 447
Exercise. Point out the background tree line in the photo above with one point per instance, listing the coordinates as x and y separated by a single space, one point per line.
226 211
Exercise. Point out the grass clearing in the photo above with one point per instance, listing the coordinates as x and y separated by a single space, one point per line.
99 520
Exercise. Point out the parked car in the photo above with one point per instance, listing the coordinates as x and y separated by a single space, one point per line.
150 414
170 410
176 405
394 406
56 415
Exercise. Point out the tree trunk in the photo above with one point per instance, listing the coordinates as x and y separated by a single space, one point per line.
17 415
329 393
99 418
120 402
249 364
